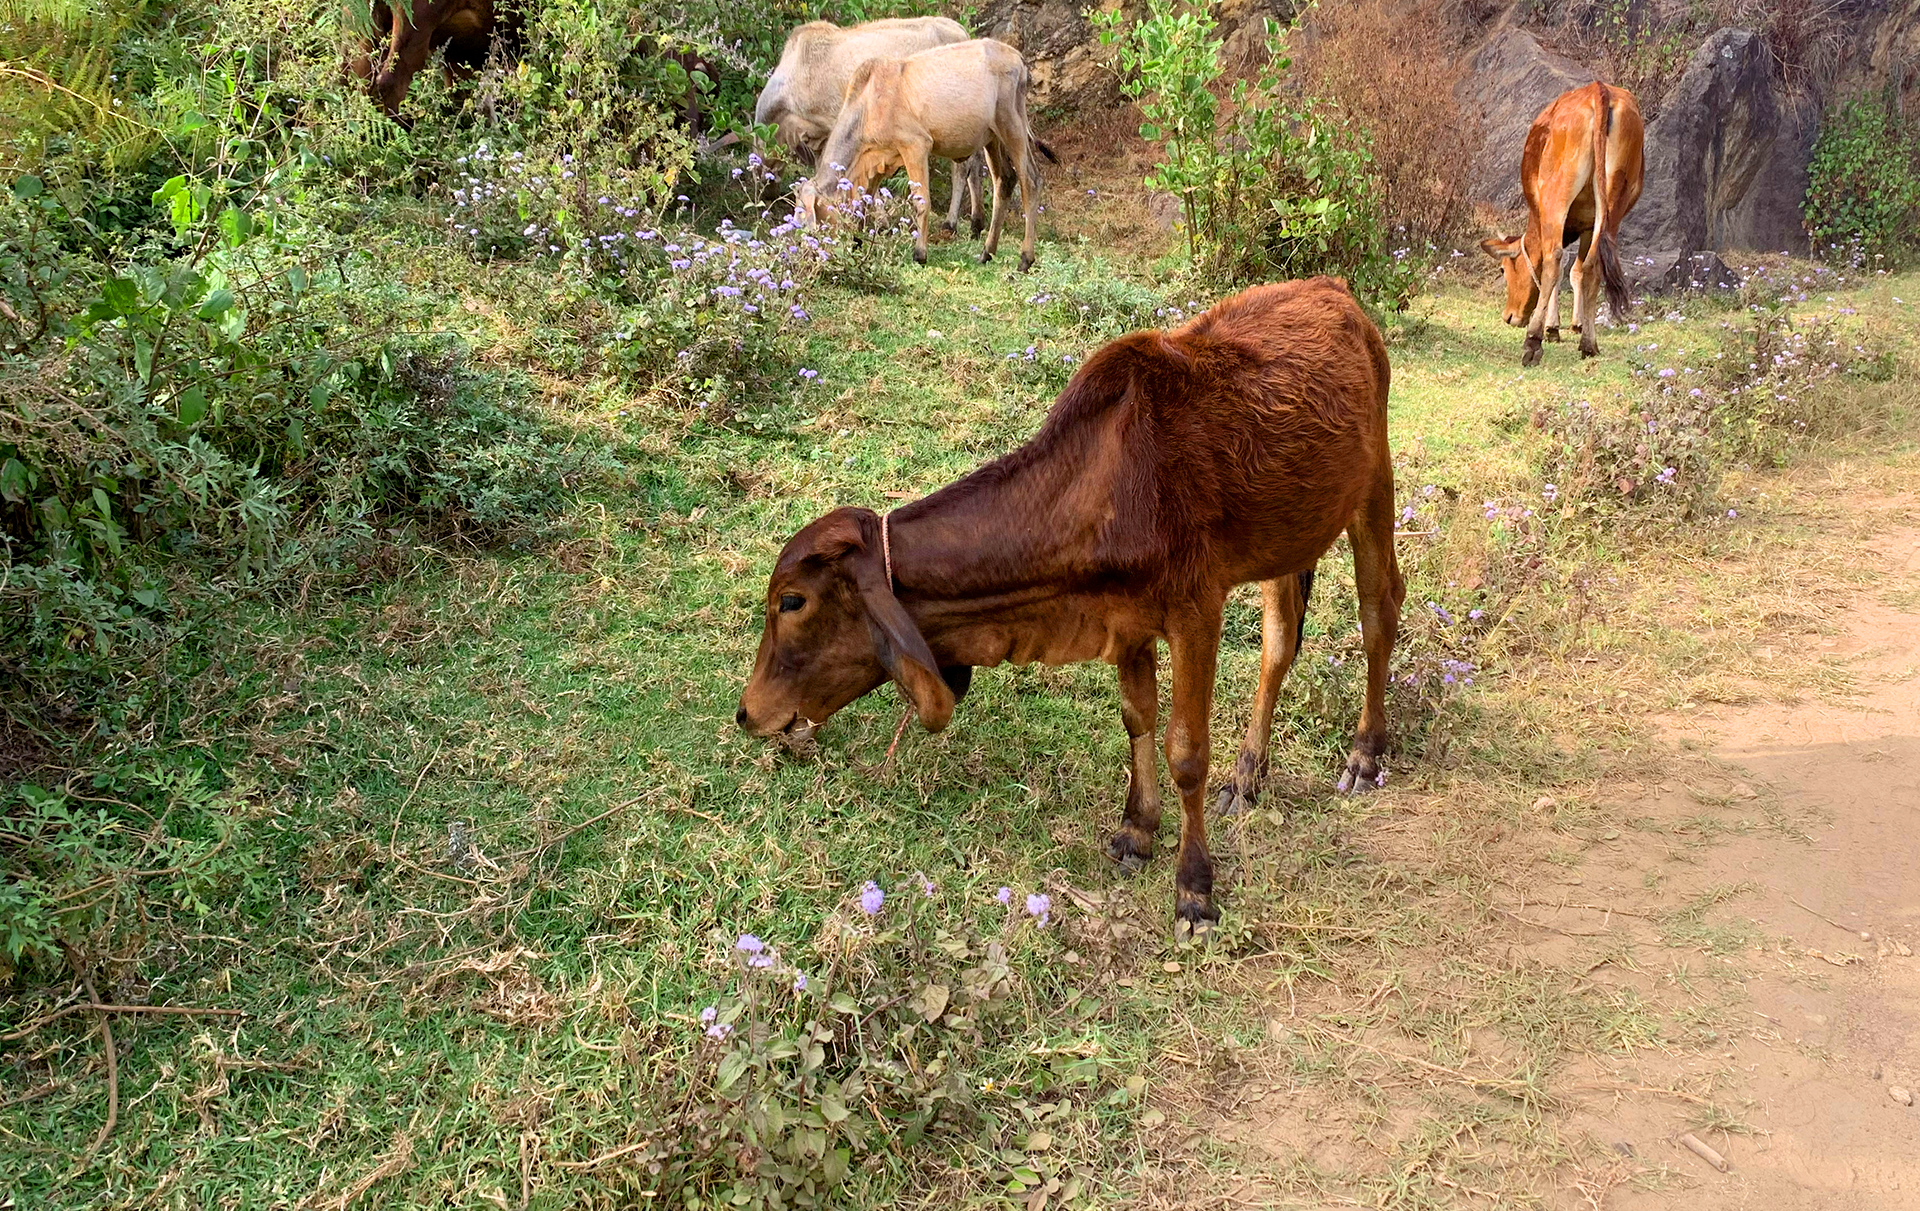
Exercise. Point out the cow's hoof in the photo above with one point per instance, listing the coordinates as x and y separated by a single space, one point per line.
1530 355
1235 799
950 227
1589 348
985 256
1193 919
1553 334
1363 773
977 229
1026 261
1131 849
919 256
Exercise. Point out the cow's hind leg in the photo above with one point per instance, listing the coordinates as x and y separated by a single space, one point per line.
1376 572
952 223
1139 709
1283 621
1002 169
1586 301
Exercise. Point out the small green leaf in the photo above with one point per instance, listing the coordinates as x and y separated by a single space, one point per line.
217 304
235 225
14 481
121 295
833 1109
143 356
27 186
192 405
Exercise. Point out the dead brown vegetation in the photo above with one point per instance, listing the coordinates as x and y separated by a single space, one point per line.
1393 66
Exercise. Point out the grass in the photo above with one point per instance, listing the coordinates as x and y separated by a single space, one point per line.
513 830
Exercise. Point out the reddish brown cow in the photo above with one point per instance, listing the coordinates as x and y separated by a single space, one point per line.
465 29
1581 174
1174 466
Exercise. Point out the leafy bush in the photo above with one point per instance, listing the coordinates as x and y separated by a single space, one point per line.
1284 188
205 409
1863 183
874 1038
94 869
1663 447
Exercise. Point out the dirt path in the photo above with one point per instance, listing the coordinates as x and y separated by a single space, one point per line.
1759 897
1835 1001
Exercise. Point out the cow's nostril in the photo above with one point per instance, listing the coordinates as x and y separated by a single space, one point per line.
740 717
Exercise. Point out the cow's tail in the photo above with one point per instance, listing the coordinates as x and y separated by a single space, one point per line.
1306 591
1043 149
1604 222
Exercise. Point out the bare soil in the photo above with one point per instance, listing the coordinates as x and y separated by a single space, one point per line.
1762 883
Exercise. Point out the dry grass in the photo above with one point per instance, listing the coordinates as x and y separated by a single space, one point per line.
1393 66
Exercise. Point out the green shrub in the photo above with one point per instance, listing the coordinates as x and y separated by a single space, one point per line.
229 415
1282 189
1863 187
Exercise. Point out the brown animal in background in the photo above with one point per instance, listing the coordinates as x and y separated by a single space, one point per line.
464 29
1581 173
1174 466
804 95
951 102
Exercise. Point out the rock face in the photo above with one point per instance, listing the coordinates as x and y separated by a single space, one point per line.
1510 80
1066 58
1726 160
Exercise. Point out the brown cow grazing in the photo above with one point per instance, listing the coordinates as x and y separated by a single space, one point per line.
951 102
804 95
1174 466
464 29
1581 174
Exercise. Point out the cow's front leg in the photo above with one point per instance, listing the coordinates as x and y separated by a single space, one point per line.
1132 846
919 192
1194 648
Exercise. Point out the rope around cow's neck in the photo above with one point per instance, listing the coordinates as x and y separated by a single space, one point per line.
1531 271
886 553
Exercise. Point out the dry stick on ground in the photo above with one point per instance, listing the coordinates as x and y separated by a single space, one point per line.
81 1006
113 1080
1824 917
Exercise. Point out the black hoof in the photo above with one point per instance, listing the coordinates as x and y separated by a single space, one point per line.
1363 773
985 256
1026 262
1553 334
1587 350
1193 918
1530 355
919 256
1233 800
1130 850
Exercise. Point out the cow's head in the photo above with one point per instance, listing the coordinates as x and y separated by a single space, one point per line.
1523 281
834 631
837 194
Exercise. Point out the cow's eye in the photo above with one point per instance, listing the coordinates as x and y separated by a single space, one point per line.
790 602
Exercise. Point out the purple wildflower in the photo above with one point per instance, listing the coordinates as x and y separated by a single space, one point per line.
809 374
1004 895
871 898
1549 493
1040 905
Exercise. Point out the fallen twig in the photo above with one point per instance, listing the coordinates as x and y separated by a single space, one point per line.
1691 1143
603 1158
1612 1087
563 835
1823 916
113 1079
78 1006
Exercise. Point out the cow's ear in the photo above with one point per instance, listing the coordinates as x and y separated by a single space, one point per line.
902 650
1502 247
